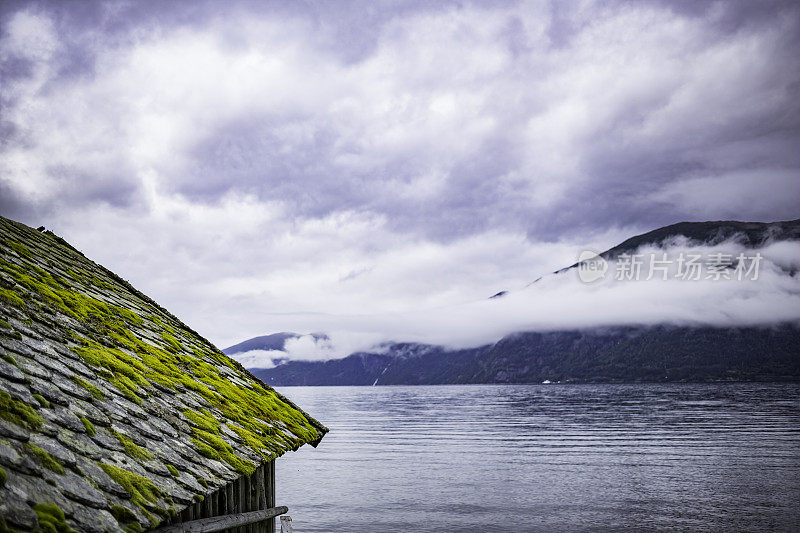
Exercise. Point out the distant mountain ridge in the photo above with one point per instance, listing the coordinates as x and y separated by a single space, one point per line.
749 234
659 353
275 341
655 353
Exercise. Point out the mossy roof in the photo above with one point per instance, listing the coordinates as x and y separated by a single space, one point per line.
112 407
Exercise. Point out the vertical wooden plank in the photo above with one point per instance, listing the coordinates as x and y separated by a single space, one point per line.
229 501
235 497
252 502
247 501
242 502
207 506
261 497
259 483
238 505
254 498
233 493
269 483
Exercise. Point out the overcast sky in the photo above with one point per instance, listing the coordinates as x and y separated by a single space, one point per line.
253 165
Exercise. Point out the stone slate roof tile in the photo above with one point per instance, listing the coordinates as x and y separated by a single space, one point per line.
101 389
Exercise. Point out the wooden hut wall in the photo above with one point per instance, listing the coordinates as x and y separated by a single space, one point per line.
251 493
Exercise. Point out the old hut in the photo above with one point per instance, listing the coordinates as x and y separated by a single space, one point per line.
116 416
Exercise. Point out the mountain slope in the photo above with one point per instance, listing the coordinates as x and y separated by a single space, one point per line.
750 234
654 353
428 365
620 354
276 341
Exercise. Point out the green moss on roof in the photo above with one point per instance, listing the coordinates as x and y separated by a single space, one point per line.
52 519
112 359
73 303
173 345
42 400
206 450
132 371
202 420
122 514
47 460
100 283
11 298
131 448
3 477
18 412
127 388
213 447
90 430
144 494
94 391
126 519
20 249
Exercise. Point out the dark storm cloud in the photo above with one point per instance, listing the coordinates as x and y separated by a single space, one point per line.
572 140
11 205
730 15
353 27
247 155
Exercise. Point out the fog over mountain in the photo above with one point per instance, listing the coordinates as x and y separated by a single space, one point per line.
561 301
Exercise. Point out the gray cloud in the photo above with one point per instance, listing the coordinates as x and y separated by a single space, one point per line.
368 131
714 76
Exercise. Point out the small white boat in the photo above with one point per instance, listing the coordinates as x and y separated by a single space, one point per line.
546 382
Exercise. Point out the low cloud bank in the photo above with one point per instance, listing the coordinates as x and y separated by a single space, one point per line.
768 293
260 358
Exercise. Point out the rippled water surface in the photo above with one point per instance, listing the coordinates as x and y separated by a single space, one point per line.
547 457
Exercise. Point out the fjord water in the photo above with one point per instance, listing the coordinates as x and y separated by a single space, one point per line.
547 458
